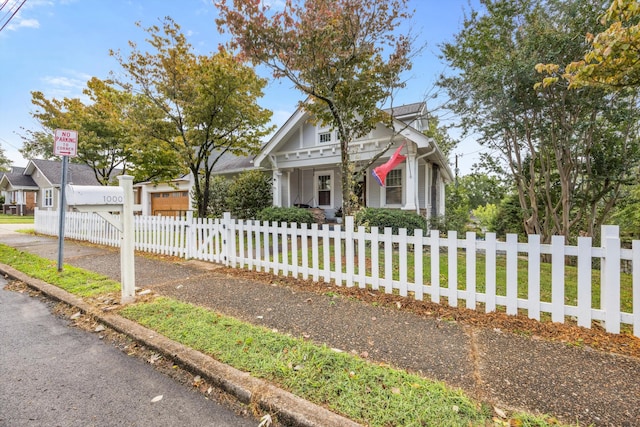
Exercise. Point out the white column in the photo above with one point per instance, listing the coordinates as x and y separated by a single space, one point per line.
145 201
277 198
412 178
441 195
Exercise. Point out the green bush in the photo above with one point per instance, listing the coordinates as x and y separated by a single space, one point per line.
248 194
297 215
218 193
394 218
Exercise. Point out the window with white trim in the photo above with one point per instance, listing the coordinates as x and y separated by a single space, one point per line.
324 137
324 189
393 187
47 201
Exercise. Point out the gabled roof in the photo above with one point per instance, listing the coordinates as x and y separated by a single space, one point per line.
409 110
289 126
16 180
231 163
19 180
78 174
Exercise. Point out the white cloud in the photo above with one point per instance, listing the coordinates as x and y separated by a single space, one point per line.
66 86
17 23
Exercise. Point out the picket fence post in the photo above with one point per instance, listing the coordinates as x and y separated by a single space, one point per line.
610 277
189 236
226 237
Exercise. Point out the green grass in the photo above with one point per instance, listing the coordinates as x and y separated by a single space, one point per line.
15 219
376 395
72 279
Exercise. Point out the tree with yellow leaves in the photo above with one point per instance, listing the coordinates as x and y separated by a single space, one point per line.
614 58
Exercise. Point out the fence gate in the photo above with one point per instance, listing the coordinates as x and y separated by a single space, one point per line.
207 240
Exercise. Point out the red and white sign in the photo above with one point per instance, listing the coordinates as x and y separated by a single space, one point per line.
65 142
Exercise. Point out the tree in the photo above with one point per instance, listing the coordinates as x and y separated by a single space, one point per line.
482 189
344 55
567 152
201 107
612 60
107 138
5 163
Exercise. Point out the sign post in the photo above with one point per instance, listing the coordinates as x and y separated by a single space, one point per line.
65 144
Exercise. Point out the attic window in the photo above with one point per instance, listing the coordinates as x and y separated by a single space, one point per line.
324 137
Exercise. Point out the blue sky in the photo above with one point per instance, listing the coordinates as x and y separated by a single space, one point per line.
56 46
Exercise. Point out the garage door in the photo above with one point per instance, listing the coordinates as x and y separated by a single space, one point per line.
170 203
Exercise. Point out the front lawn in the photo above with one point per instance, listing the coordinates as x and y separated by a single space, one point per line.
15 219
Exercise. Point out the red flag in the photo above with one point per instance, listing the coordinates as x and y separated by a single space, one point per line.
380 173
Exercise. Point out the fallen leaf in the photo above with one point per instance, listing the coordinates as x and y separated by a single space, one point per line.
395 390
99 328
499 412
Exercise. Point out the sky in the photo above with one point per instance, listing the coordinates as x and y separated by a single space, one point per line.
56 46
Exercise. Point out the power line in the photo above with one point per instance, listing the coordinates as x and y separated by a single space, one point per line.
11 13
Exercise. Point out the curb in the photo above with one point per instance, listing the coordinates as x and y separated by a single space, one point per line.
291 410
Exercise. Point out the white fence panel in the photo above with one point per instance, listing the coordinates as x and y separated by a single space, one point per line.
351 257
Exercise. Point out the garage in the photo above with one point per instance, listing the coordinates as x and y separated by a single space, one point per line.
170 203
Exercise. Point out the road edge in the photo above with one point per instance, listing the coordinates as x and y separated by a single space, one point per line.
290 409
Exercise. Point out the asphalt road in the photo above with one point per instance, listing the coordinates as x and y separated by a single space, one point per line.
55 375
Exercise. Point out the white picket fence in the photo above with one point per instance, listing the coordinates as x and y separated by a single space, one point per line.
402 263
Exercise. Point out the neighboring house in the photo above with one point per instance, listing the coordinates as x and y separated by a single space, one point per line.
304 160
175 197
40 182
19 192
166 199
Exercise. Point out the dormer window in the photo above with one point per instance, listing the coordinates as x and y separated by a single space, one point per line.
324 137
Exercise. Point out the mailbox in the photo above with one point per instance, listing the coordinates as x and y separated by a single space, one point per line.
94 195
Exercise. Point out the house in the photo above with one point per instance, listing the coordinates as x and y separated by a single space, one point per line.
304 160
38 185
19 192
175 197
165 198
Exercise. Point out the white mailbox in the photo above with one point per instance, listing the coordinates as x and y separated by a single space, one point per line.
103 201
94 195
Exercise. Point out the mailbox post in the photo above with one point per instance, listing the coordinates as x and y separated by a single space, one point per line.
103 200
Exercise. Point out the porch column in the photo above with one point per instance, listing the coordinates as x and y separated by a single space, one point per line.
277 197
412 178
144 200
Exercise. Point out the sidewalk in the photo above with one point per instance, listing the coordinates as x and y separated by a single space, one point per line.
510 371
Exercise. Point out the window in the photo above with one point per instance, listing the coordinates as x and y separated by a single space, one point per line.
393 189
323 184
324 137
48 198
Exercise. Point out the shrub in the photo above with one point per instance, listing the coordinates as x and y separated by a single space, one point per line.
218 193
394 218
249 193
297 215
